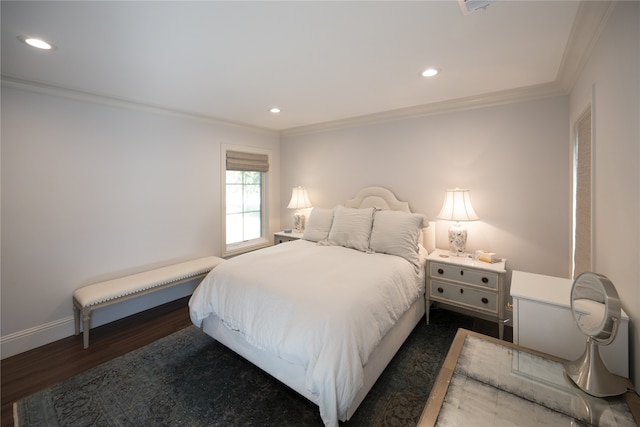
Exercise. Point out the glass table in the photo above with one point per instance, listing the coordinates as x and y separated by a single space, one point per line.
488 382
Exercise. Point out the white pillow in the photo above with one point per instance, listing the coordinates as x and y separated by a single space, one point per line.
318 225
351 228
398 233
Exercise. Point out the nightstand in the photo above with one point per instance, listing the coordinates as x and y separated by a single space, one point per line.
470 287
282 237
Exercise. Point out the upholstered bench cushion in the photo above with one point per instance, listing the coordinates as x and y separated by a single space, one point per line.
99 293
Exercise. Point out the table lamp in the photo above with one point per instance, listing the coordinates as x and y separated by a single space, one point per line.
457 207
299 201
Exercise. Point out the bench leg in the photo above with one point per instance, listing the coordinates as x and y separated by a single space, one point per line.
76 319
86 325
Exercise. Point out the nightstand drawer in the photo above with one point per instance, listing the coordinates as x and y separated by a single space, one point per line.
282 237
467 275
462 295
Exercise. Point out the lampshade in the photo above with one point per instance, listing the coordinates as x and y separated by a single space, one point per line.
299 199
457 206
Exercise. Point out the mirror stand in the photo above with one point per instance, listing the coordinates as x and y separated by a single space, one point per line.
596 309
590 374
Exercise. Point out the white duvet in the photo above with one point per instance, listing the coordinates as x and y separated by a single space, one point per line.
322 307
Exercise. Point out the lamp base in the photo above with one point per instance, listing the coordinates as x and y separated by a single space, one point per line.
457 239
298 222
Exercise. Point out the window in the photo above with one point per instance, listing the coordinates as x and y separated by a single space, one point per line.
582 238
244 206
245 221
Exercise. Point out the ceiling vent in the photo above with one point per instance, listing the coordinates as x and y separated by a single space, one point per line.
469 6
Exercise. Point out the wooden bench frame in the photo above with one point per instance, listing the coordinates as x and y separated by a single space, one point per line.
84 311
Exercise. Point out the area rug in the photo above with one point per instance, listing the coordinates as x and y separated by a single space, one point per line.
188 379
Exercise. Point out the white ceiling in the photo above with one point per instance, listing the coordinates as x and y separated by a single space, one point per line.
317 61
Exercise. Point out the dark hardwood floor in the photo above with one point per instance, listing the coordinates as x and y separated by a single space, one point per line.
40 368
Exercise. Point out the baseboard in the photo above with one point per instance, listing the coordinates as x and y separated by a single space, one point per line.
21 341
28 339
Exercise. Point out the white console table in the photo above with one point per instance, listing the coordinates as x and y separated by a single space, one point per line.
542 321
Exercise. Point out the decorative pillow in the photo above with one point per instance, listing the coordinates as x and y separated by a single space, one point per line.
398 233
318 225
351 228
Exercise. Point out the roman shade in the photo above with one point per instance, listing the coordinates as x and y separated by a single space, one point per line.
243 161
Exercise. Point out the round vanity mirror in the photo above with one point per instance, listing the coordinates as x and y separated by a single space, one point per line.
596 309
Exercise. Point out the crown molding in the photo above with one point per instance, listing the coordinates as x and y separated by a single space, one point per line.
78 95
460 104
588 25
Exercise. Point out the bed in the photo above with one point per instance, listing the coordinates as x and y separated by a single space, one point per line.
324 314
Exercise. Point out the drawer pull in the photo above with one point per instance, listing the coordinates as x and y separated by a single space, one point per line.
485 301
440 290
485 280
461 291
462 272
440 271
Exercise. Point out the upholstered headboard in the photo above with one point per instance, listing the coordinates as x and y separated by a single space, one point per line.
382 198
377 197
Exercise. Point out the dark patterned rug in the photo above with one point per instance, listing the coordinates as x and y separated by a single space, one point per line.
188 379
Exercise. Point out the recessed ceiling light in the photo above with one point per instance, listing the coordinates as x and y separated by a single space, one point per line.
275 110
37 43
430 72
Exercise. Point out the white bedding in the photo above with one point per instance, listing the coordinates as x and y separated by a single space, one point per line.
326 316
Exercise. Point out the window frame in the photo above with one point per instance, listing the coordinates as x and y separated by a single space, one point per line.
582 251
232 249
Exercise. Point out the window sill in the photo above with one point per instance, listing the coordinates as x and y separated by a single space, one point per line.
243 247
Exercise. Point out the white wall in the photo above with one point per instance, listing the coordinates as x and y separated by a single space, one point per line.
612 74
514 158
93 191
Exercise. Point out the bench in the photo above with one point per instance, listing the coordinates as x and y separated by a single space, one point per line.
98 295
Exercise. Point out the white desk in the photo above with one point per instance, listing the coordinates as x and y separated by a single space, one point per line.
542 320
